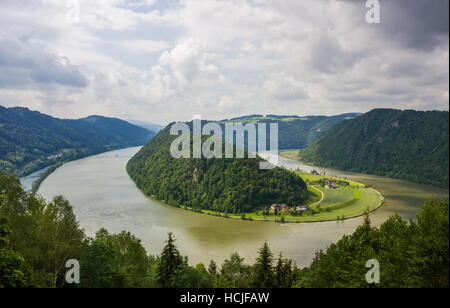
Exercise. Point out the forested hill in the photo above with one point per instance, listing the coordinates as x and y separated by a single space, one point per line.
410 145
30 140
223 185
296 132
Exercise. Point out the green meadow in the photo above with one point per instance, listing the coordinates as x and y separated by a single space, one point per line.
325 204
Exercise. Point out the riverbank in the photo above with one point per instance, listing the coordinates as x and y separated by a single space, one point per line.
350 200
49 170
103 195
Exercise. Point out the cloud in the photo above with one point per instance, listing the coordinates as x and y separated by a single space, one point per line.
29 62
283 87
144 46
162 61
420 24
188 62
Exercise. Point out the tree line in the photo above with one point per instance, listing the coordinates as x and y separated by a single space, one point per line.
30 141
38 237
231 186
410 145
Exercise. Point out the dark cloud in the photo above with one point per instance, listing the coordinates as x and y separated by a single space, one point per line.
28 62
420 24
327 55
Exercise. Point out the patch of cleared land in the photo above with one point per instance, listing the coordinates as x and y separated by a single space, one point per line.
350 199
290 154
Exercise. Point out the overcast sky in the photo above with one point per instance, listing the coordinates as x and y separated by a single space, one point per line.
166 60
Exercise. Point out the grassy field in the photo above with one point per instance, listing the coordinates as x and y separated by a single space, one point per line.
290 154
345 202
258 119
335 196
308 177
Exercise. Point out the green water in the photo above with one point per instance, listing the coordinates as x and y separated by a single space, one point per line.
103 195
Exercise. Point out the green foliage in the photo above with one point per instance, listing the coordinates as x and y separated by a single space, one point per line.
411 254
212 268
410 145
234 273
37 238
13 271
45 234
115 261
191 277
222 185
170 263
30 140
297 132
263 274
37 184
285 273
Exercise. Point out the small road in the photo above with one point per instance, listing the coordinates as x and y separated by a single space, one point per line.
321 199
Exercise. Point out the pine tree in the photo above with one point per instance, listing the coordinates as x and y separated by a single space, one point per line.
263 275
169 262
212 268
279 272
284 273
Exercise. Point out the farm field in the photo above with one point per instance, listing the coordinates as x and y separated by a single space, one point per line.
350 200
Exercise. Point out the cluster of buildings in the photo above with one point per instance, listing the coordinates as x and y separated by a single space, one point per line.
285 208
331 184
54 156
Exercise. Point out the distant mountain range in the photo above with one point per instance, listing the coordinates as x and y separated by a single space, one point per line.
30 140
410 145
296 132
156 128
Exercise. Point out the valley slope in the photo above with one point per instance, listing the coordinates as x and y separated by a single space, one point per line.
223 185
296 132
410 145
30 140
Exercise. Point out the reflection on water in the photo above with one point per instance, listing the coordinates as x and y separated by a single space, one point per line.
103 195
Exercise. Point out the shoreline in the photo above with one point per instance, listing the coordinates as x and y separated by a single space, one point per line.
49 169
239 217
37 184
278 218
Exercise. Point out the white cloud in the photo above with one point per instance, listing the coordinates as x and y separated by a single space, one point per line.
284 87
187 62
144 46
166 60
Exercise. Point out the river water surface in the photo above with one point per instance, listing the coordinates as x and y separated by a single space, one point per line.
103 195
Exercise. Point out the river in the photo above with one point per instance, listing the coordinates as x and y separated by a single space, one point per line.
103 195
28 181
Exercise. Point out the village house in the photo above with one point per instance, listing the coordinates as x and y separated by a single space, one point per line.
54 156
279 207
331 184
302 208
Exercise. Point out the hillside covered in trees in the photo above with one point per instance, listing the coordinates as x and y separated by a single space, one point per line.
296 132
37 238
410 145
222 185
30 140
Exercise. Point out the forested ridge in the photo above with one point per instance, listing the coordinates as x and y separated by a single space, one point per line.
296 132
30 140
223 185
38 237
410 145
